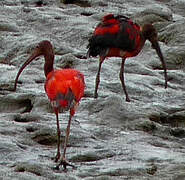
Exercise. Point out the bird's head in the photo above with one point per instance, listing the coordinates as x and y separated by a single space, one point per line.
149 32
43 48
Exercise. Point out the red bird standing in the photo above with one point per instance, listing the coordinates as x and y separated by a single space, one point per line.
64 88
119 36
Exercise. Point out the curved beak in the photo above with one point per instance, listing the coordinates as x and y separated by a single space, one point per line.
36 53
156 46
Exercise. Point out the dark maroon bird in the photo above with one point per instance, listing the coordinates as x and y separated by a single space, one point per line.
119 36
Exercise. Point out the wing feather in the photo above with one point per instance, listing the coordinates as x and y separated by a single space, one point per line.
114 32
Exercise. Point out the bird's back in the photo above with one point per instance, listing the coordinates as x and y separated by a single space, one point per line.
114 32
65 85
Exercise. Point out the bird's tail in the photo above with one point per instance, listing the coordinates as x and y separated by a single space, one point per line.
64 101
93 48
88 53
90 49
93 51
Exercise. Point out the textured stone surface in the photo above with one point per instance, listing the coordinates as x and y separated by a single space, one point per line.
110 138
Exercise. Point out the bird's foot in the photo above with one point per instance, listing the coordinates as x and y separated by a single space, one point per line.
95 95
64 163
57 157
127 99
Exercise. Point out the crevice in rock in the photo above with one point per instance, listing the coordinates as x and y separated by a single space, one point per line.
38 3
19 118
80 56
92 156
31 170
39 81
86 14
45 138
21 169
31 129
157 68
172 120
27 117
13 105
27 104
147 126
178 132
152 170
80 3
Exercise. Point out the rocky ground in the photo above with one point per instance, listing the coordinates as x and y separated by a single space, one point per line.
111 138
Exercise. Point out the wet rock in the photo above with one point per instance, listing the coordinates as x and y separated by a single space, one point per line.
11 3
42 104
6 148
45 136
172 34
16 103
109 138
146 125
92 156
33 168
178 132
68 61
160 10
152 14
175 58
82 3
36 170
7 79
8 27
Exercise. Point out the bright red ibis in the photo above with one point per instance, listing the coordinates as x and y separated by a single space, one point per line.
64 88
119 36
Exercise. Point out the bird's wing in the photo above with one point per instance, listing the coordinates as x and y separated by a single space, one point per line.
114 32
64 87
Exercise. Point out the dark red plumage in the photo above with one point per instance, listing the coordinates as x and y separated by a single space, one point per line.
119 36
64 88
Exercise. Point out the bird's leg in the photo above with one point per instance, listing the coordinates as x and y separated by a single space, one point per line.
63 162
165 73
57 157
121 75
98 78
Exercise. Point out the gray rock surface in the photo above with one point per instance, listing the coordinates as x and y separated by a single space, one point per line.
111 138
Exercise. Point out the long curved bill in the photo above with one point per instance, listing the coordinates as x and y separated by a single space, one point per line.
156 46
35 54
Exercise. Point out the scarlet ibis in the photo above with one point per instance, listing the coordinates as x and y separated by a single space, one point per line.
119 36
64 88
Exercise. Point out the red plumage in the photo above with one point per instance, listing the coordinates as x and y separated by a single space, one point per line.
64 88
60 82
119 36
109 25
115 32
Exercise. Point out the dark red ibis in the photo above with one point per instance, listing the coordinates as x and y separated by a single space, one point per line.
119 36
64 88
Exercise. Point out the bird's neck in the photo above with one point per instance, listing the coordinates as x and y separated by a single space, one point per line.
48 66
